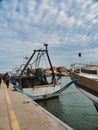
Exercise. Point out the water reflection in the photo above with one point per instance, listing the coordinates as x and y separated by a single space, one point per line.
53 106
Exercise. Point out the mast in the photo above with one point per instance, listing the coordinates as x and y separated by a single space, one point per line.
53 74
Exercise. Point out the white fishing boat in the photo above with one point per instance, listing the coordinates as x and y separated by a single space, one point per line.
87 80
39 83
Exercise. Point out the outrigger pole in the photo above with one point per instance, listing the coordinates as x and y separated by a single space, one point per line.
27 64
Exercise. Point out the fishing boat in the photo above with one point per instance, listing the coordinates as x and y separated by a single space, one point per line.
37 81
87 80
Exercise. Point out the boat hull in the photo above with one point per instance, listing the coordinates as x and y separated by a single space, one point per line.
44 92
87 86
85 83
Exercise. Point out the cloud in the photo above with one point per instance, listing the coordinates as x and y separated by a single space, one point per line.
67 26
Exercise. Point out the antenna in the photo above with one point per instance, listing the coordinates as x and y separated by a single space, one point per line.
79 55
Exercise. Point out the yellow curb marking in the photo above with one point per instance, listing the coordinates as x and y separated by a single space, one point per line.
14 122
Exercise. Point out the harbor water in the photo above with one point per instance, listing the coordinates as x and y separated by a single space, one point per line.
73 108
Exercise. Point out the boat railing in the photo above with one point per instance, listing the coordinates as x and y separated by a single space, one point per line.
78 68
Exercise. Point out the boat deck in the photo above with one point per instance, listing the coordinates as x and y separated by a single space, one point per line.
91 76
18 112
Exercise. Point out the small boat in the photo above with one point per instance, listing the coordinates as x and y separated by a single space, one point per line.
87 80
38 82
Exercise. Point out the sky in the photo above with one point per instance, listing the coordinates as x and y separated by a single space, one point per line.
68 27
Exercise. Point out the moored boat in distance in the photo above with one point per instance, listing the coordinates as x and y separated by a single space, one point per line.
87 80
40 82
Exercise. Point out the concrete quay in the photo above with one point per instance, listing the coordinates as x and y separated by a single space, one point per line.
18 112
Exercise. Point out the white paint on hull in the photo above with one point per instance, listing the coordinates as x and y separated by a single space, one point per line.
42 90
